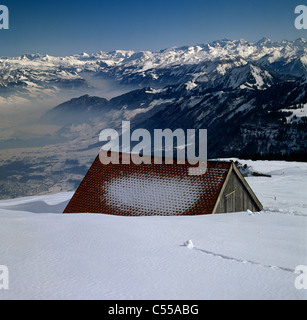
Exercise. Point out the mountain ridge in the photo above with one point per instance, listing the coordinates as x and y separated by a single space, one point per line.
286 57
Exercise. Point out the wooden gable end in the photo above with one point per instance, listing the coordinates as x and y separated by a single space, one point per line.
236 195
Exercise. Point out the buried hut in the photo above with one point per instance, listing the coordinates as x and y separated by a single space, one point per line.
162 189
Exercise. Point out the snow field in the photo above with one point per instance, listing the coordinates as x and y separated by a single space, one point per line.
226 256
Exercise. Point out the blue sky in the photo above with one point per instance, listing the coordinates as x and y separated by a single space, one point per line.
72 26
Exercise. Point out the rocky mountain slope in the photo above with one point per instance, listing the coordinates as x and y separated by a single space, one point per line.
249 112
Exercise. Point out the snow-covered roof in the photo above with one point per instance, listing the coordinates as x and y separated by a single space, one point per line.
148 189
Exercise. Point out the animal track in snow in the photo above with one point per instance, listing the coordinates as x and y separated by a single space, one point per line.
222 256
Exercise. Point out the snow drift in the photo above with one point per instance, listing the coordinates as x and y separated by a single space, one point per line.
227 256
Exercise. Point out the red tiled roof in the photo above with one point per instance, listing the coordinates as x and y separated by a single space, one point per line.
148 189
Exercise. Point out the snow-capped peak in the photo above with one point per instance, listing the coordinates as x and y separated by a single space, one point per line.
200 63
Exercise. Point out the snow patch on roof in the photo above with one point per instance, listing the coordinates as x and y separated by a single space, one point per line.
137 193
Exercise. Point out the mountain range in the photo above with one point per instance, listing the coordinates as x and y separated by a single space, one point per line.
201 63
251 97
